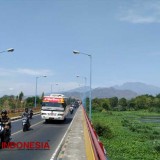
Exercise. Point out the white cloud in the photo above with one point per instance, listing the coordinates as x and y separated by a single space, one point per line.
141 12
64 86
10 83
9 72
6 72
34 72
133 18
14 88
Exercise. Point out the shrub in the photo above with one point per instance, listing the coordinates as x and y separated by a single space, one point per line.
126 123
96 107
103 130
157 148
103 111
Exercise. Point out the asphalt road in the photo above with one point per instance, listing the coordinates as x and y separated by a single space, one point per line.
52 133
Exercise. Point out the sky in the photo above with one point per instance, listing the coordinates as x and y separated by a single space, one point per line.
122 36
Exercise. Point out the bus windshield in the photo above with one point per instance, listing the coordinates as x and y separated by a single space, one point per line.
51 104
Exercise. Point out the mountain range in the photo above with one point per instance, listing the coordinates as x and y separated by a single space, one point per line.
127 90
139 88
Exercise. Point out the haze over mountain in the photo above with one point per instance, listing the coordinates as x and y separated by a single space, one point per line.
101 93
139 88
128 90
112 92
80 89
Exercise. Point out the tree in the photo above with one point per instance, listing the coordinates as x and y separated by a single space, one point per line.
158 95
105 104
42 95
131 104
156 102
30 101
140 102
21 96
113 102
87 104
122 102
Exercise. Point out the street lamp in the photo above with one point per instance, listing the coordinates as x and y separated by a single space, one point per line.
90 101
85 79
85 82
35 102
8 50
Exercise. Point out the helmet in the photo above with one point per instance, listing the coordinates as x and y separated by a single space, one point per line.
26 109
4 112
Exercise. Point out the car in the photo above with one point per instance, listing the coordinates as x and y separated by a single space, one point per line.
76 104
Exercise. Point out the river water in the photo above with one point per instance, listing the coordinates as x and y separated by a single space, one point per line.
150 119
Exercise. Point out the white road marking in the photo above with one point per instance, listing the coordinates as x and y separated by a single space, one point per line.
22 130
20 118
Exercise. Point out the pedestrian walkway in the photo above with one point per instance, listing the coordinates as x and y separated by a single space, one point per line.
77 145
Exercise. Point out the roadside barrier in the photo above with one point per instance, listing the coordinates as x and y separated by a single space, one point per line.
99 150
19 117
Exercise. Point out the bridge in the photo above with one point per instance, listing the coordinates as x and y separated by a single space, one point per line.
74 139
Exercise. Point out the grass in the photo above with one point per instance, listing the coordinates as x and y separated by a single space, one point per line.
129 139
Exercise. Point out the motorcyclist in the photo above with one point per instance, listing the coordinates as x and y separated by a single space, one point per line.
71 108
6 123
31 113
26 114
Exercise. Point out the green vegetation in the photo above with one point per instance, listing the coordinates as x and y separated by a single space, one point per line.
146 102
16 104
129 129
125 137
13 103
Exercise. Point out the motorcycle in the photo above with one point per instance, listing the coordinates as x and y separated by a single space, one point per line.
30 114
4 135
25 123
71 109
1 134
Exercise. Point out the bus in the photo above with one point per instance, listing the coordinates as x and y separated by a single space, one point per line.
54 107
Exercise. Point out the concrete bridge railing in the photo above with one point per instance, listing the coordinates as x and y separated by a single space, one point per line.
81 141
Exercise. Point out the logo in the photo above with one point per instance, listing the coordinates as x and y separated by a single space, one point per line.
26 145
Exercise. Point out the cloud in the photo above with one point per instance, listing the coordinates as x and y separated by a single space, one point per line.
64 86
34 72
6 72
9 72
141 12
29 88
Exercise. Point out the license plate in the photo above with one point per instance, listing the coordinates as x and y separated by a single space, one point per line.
53 114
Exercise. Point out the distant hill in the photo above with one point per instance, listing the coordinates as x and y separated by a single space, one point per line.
103 93
112 92
74 94
139 88
127 90
80 89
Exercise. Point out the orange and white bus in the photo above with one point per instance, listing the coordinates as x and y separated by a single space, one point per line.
54 107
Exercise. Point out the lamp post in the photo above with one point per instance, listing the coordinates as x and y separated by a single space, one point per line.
90 100
35 102
8 50
85 79
85 84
